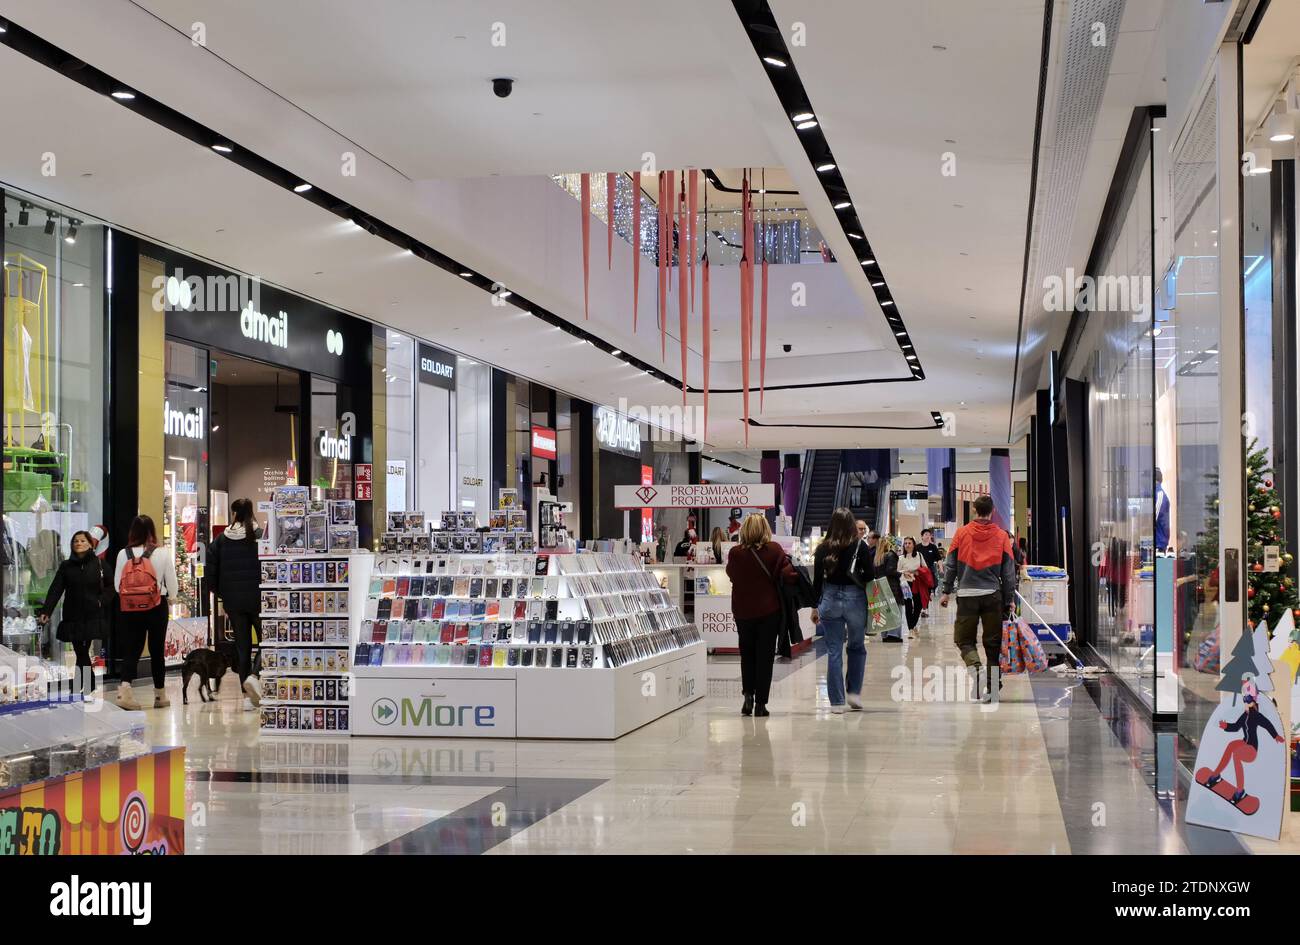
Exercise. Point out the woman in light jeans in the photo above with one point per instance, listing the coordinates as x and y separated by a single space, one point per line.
842 567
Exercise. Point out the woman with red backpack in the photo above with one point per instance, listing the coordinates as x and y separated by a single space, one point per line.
145 580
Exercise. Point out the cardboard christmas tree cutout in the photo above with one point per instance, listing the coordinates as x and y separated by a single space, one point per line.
1241 761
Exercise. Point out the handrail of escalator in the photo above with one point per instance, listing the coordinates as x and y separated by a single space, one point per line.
808 458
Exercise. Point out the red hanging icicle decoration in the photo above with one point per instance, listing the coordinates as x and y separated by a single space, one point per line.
610 188
746 300
636 245
693 204
762 330
706 331
682 322
663 267
586 243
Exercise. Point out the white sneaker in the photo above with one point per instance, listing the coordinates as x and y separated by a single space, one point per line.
126 698
248 704
855 702
837 710
253 689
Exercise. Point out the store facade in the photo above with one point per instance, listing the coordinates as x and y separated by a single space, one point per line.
236 388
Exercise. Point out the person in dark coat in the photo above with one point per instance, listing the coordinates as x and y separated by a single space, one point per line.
755 567
235 576
83 583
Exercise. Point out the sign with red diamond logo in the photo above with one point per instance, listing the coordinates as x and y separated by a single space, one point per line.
708 495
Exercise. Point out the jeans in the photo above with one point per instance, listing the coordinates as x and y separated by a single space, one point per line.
843 617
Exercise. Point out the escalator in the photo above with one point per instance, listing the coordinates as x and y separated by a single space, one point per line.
821 492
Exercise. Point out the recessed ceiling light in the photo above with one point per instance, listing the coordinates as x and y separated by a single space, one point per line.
505 295
302 188
823 168
867 262
843 205
900 333
78 285
805 125
222 148
876 285
616 351
855 236
773 61
802 116
122 95
887 302
467 275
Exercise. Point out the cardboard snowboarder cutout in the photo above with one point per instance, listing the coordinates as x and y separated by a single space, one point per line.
1240 773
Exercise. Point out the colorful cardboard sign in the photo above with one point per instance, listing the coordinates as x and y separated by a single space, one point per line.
133 807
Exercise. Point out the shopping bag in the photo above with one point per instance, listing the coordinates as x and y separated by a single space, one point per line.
1032 654
1011 660
883 613
1207 654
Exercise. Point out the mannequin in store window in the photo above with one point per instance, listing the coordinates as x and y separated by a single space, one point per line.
235 577
1161 510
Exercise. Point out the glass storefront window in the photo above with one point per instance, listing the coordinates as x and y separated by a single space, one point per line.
1122 453
399 409
334 441
187 422
1194 519
54 404
473 436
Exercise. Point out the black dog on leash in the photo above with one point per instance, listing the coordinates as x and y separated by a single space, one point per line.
207 665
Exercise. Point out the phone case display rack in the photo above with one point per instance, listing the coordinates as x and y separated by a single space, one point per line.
305 649
529 627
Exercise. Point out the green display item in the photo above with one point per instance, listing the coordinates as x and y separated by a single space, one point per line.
23 489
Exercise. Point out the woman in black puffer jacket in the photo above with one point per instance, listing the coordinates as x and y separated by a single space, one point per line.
82 581
235 576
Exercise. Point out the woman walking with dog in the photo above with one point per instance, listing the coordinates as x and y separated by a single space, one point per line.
82 582
235 577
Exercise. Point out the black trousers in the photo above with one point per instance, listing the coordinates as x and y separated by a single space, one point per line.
137 627
241 625
757 653
85 668
912 607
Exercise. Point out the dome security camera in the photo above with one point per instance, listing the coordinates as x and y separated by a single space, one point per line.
787 348
502 88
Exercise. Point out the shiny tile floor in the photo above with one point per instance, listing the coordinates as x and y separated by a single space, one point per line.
1054 768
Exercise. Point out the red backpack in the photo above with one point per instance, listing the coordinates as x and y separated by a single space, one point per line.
139 589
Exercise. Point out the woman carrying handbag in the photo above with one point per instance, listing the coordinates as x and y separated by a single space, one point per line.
841 571
754 566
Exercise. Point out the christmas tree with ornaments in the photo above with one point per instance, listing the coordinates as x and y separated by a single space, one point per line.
1269 593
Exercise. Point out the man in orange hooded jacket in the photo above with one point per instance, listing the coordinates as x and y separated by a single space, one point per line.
983 567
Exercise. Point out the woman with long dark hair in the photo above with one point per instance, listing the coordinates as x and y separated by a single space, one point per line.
841 569
235 576
911 572
145 580
82 582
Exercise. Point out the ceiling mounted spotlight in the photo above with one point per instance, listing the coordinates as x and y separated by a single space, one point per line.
876 285
843 205
222 147
887 302
23 215
49 222
824 168
123 95
71 236
4 26
1280 126
805 125
302 188
467 275
802 116
1263 159
774 61
867 262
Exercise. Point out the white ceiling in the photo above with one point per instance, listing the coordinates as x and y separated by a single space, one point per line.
302 81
